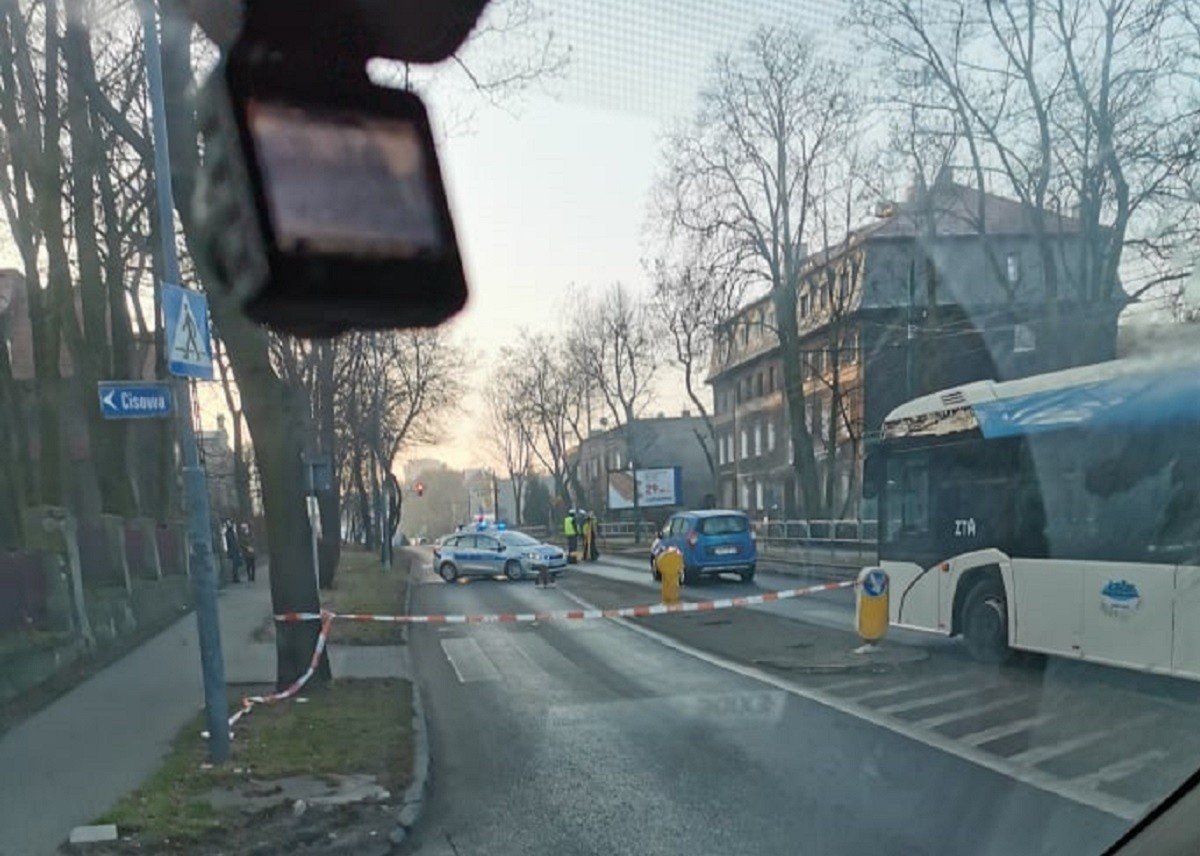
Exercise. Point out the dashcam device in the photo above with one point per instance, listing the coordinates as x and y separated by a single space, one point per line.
321 199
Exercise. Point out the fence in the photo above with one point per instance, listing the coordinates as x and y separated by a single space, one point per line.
849 533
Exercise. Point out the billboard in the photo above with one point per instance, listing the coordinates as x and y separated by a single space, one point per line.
655 487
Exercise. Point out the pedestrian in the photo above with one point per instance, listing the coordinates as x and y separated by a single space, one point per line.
246 545
588 535
571 531
233 551
593 550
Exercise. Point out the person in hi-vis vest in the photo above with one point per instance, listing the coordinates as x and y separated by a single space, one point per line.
571 531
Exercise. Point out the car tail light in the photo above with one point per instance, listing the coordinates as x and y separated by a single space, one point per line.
692 538
753 535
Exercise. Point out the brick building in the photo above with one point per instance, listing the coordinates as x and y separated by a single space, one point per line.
915 301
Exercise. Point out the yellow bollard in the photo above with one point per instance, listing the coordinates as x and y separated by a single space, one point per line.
669 565
871 604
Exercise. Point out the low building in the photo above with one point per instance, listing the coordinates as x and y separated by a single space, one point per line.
607 458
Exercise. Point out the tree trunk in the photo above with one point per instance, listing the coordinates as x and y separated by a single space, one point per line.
805 464
275 415
330 547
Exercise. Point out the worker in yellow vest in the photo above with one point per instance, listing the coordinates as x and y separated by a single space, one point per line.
571 531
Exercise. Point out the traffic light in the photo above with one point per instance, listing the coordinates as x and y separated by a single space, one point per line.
419 487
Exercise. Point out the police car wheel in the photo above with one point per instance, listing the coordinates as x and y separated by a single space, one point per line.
448 572
512 569
985 622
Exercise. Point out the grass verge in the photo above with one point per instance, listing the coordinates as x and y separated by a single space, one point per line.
351 726
360 585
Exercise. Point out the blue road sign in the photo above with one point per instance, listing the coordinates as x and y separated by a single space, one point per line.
185 320
127 399
874 582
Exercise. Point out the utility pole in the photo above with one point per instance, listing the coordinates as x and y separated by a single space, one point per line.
911 333
495 498
195 491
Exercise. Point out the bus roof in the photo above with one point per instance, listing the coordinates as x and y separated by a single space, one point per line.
1127 391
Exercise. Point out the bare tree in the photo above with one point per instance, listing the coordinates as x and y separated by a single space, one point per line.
551 406
508 438
691 298
1074 107
746 171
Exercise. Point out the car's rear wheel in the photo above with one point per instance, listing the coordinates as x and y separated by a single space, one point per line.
448 572
691 576
985 622
512 569
748 575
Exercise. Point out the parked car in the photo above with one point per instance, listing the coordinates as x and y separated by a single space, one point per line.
493 552
712 542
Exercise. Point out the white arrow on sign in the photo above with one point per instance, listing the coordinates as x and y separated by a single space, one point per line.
108 400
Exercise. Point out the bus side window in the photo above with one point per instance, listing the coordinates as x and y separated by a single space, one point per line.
908 496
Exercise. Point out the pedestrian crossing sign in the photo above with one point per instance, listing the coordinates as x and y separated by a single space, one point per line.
185 320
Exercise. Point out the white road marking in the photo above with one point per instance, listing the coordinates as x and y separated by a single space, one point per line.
1121 808
1040 754
970 711
891 691
1119 769
1004 729
468 660
927 701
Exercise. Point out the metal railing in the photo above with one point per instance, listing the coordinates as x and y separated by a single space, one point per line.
781 532
849 532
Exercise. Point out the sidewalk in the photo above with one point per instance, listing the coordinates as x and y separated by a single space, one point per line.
71 761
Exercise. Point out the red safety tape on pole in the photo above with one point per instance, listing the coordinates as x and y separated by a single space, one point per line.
248 702
641 611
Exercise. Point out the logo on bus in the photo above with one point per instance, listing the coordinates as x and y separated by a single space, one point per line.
1119 597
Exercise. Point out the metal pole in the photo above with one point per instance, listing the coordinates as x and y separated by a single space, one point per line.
204 579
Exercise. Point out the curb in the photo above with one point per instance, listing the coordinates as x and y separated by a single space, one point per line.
413 801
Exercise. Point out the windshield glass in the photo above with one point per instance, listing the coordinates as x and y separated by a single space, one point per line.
517 539
727 525
843 353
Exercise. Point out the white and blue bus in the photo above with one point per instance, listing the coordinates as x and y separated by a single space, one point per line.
1058 513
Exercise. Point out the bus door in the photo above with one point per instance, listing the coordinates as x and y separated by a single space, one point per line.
1185 651
907 550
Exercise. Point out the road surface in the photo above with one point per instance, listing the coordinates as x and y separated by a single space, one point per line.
725 733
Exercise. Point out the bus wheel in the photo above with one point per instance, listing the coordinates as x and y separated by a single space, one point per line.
985 622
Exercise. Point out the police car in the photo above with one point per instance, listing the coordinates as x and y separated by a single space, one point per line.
492 552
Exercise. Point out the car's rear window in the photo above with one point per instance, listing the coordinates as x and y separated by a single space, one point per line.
727 525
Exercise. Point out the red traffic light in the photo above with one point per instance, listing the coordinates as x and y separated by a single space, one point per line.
419 487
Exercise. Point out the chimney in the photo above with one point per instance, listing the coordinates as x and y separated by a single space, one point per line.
685 413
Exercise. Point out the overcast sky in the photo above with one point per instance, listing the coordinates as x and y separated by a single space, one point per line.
552 192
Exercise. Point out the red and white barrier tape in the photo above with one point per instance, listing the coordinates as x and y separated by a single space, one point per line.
575 614
248 702
326 618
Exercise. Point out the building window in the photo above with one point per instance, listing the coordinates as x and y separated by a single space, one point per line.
745 444
745 334
745 494
771 379
770 436
803 305
758 440
729 455
816 417
721 450
1013 268
758 384
759 500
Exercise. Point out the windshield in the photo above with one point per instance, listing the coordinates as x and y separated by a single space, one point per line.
517 539
727 525
718 256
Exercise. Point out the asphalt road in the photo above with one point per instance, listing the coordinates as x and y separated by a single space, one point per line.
595 737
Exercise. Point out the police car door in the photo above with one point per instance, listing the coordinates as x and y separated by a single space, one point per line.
491 557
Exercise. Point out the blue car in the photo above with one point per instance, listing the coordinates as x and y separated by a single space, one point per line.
712 542
493 552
